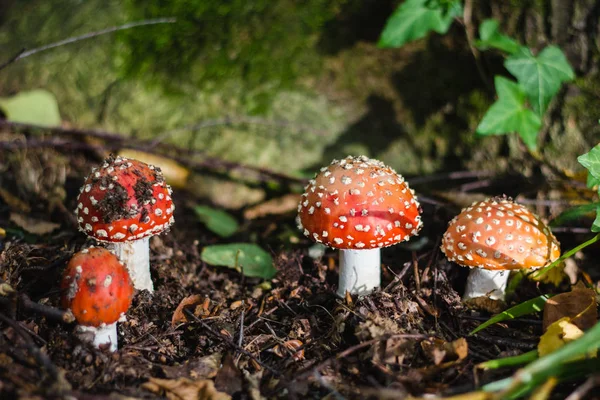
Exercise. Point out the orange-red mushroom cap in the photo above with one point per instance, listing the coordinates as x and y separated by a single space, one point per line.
499 234
96 287
358 203
124 200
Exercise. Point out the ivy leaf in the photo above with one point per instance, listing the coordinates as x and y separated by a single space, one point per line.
245 257
414 19
592 182
218 221
540 76
491 37
510 114
596 223
591 161
574 213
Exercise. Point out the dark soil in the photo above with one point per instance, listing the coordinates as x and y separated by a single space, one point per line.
290 338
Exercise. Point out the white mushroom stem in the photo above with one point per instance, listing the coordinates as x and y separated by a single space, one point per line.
360 271
103 335
135 255
489 283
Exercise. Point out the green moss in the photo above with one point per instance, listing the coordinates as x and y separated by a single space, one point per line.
256 41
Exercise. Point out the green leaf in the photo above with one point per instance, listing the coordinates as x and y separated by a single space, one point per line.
592 182
414 19
527 307
510 114
540 76
591 161
491 37
246 257
574 213
38 107
596 223
218 221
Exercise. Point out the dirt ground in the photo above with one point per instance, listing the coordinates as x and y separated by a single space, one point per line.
242 337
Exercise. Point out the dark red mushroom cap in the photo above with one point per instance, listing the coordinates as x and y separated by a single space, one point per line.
124 200
96 287
358 203
499 234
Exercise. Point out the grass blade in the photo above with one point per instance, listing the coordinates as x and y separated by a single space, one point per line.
527 307
509 361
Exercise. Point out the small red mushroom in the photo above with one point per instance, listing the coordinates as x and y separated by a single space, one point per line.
97 289
359 205
493 237
125 202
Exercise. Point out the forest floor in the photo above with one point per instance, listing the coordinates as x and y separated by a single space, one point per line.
242 337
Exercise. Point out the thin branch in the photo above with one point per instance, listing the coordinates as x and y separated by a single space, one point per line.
86 36
23 303
116 141
12 59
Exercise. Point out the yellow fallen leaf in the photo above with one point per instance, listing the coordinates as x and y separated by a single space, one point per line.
555 276
175 174
185 389
545 390
557 335
480 395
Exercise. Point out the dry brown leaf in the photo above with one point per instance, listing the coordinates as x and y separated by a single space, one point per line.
178 316
290 348
579 304
33 225
195 368
484 303
229 378
281 205
185 389
439 350
175 174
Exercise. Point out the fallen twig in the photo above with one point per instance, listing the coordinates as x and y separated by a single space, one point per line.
21 302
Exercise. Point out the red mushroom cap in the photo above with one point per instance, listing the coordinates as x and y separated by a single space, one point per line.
96 287
358 203
124 200
499 234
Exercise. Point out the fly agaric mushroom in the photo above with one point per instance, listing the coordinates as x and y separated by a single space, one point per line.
125 202
97 289
358 205
493 237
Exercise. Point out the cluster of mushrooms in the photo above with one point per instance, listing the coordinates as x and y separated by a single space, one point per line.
121 204
357 205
